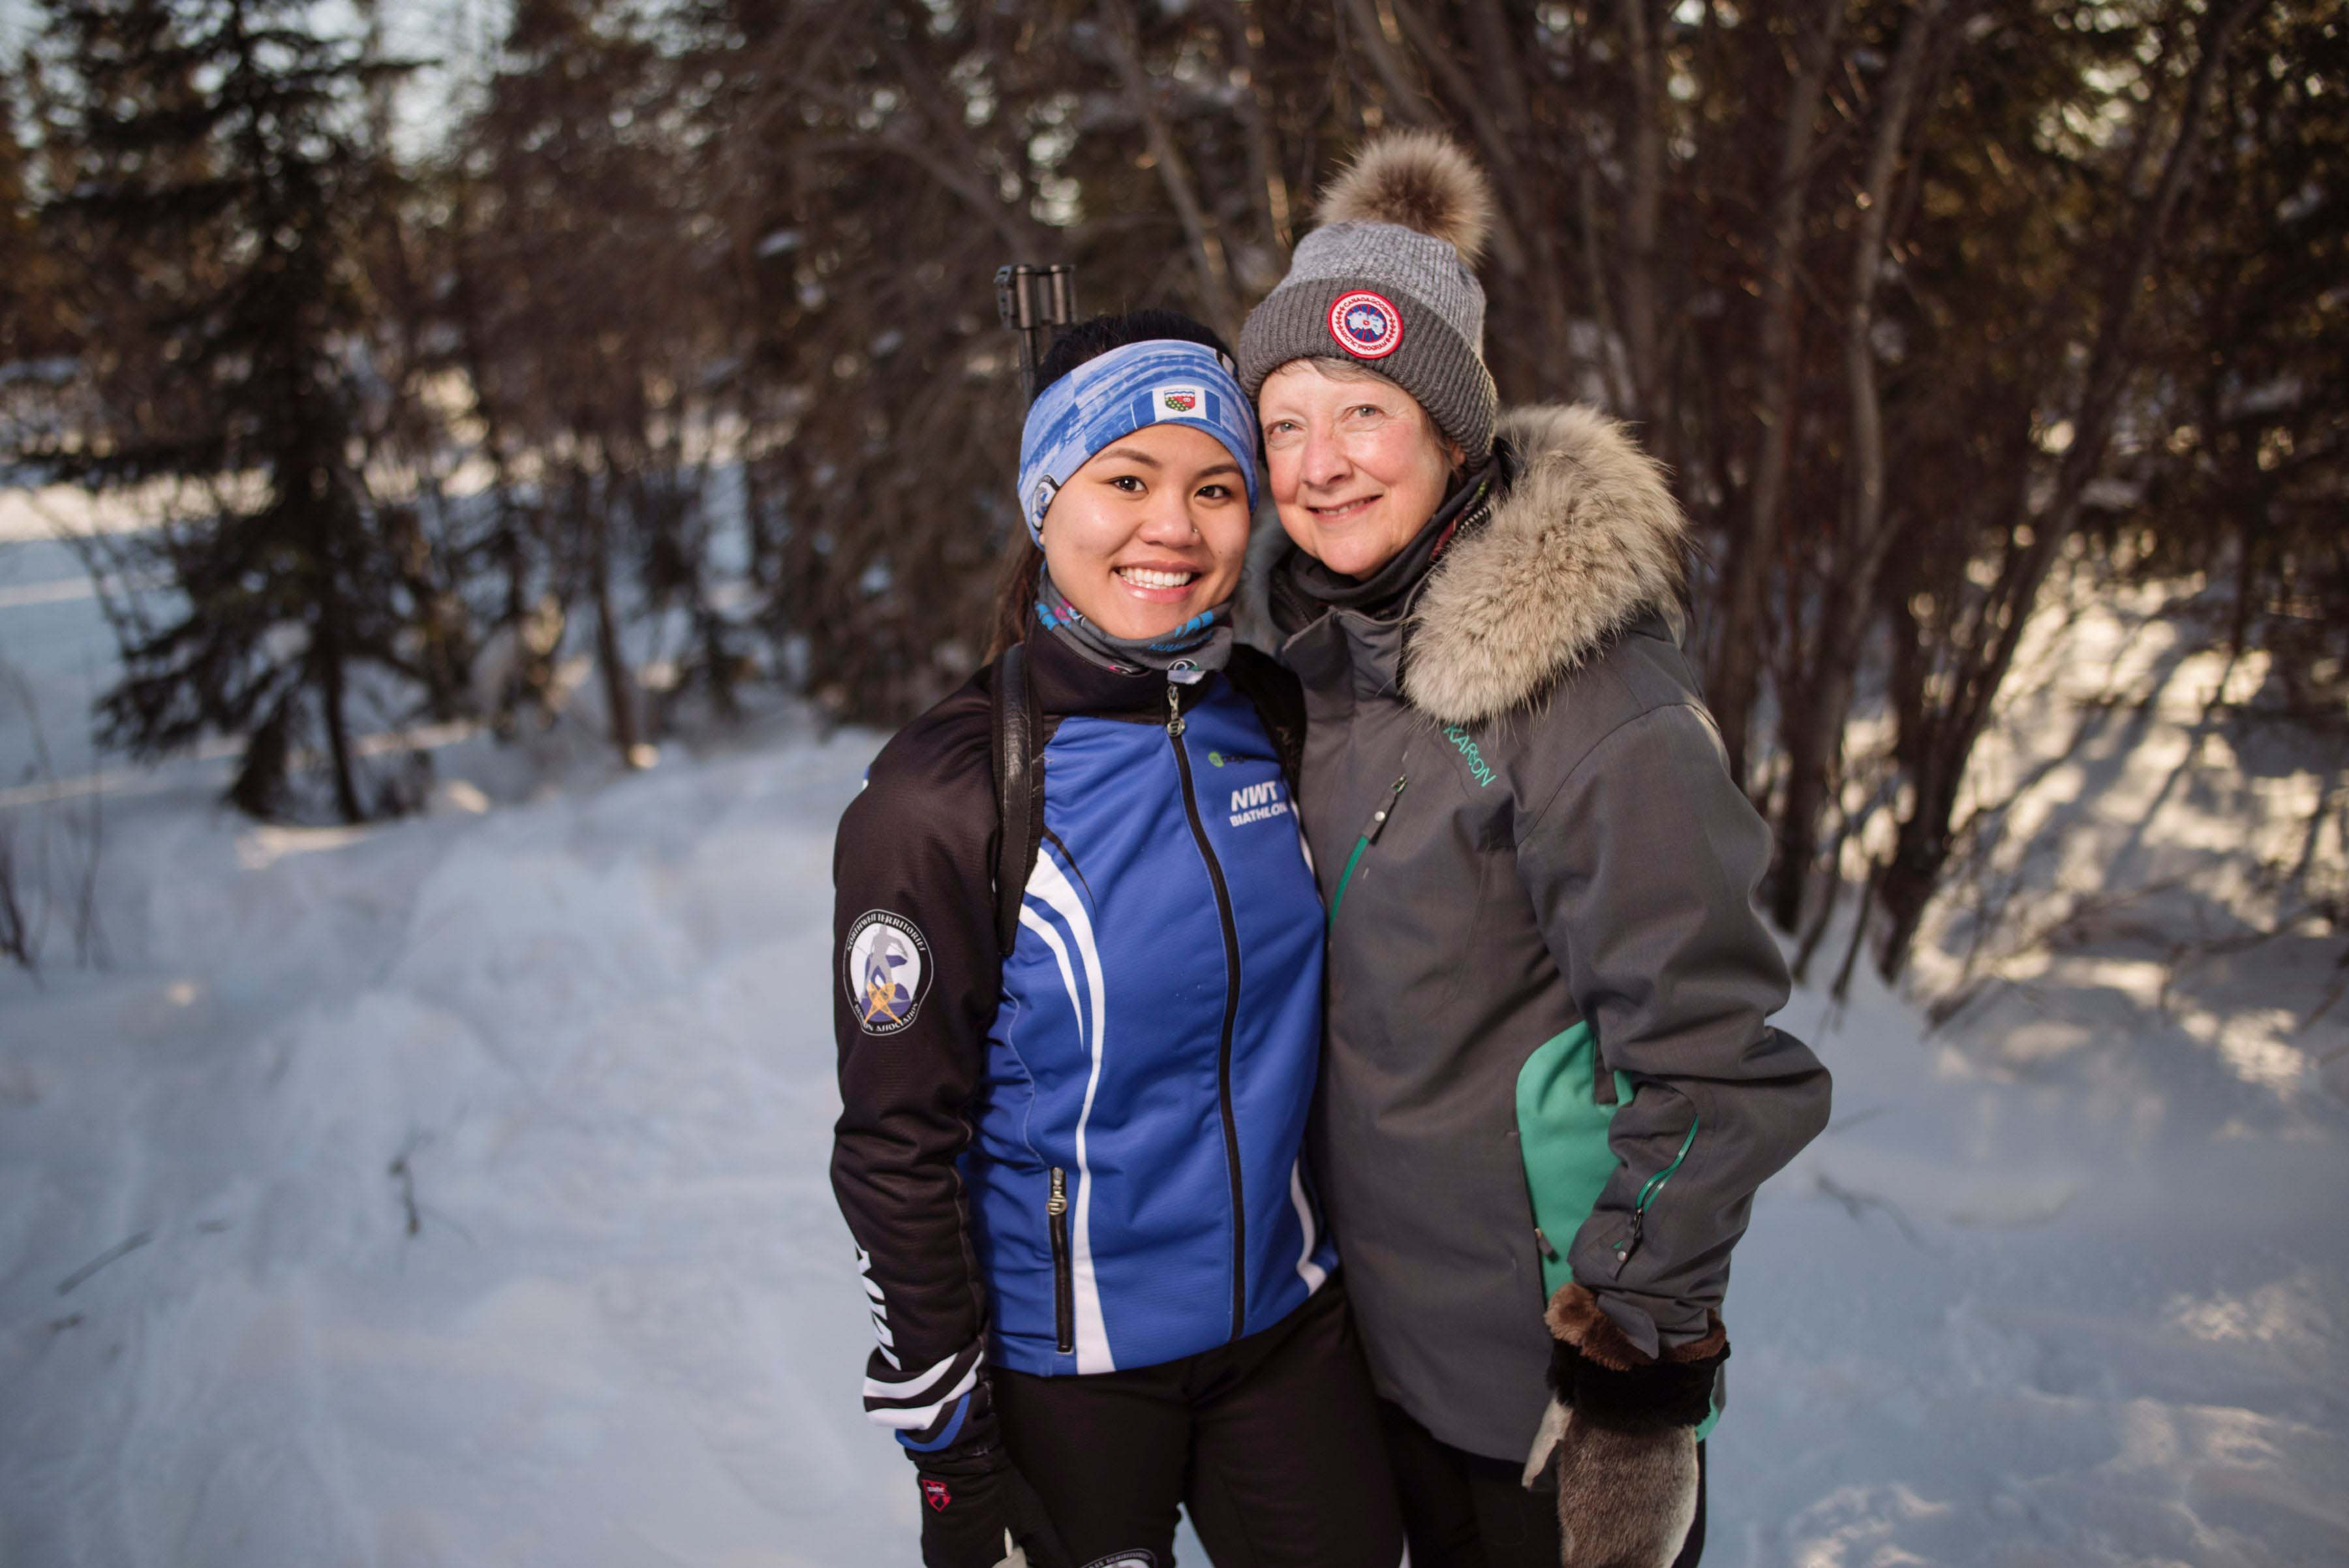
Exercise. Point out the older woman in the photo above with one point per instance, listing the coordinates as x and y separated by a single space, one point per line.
1547 1075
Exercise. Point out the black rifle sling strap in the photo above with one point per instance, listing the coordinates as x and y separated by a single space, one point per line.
1013 701
1280 705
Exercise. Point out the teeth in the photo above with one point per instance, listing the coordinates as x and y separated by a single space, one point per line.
1142 578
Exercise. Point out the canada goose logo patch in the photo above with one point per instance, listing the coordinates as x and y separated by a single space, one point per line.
885 967
1366 324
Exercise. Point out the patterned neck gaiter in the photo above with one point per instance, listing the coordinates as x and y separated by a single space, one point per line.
1186 654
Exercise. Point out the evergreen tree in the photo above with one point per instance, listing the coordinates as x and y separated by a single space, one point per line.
2247 476
223 182
26 278
34 342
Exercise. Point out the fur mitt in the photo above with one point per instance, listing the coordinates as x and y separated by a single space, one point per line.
1621 1435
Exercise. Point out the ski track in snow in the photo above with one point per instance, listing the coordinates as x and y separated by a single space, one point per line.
2062 1285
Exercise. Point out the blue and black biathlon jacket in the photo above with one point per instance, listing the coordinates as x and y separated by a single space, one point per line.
1081 1154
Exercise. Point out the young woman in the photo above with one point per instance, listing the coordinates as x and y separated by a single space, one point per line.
1547 1076
1070 1163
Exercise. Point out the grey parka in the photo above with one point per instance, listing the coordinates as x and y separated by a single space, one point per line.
1523 826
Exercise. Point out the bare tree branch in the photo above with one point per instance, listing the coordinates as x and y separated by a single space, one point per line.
1213 267
1735 680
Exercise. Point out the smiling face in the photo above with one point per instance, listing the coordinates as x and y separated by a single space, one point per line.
1150 532
1357 466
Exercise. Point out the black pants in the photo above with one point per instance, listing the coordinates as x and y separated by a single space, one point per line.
1272 1441
1464 1510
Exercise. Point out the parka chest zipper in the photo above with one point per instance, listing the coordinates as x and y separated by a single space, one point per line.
1371 831
1174 725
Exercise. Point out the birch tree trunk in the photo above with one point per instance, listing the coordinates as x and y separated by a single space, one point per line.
1643 207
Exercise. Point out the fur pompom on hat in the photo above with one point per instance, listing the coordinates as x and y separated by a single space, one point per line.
1418 180
1387 282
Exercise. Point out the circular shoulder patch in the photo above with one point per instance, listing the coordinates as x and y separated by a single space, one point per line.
1366 324
886 970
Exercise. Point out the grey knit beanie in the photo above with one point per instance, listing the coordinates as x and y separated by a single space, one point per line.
1385 282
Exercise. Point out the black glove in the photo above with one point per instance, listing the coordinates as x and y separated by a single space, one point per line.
1621 1435
977 1512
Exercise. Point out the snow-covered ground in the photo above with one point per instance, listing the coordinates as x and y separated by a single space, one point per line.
452 1192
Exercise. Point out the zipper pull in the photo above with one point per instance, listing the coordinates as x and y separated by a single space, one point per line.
1543 1242
1173 710
1630 1244
1379 817
1058 1204
1655 1184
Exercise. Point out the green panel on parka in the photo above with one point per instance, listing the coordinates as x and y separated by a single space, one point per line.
1562 1135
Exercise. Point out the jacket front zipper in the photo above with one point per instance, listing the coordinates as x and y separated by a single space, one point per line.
1371 831
1231 1006
1064 1289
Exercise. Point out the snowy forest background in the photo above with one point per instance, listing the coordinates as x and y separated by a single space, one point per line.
521 458
661 333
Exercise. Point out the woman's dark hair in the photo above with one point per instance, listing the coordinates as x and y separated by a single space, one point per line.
1023 563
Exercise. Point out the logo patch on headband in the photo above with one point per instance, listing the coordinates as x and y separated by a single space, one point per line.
1106 399
1366 324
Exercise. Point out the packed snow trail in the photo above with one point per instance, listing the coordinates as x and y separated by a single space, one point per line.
587 1045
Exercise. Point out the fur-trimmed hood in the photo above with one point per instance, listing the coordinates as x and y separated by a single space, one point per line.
1586 541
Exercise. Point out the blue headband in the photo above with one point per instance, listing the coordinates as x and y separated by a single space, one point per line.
1164 381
